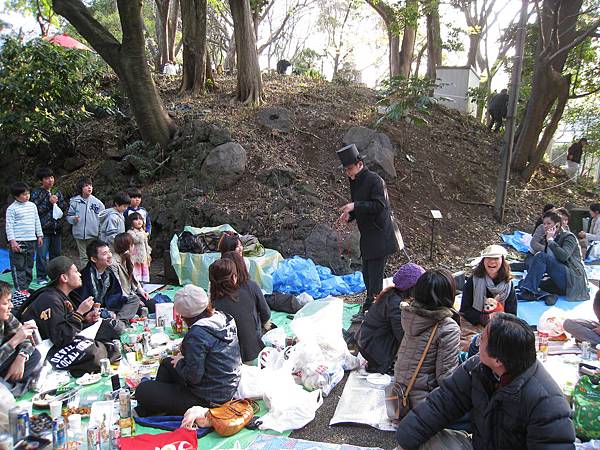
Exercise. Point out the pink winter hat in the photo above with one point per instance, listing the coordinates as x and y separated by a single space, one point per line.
407 276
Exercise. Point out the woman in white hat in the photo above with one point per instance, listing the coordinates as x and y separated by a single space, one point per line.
489 290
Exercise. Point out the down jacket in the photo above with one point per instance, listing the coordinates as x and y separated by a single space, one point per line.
211 363
381 332
529 413
442 357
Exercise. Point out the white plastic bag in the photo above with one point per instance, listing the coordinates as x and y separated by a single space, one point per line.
251 382
56 212
275 338
290 406
551 322
7 401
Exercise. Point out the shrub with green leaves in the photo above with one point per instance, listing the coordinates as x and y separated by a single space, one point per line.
45 90
407 98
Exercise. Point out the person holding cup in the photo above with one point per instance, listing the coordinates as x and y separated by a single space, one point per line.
20 362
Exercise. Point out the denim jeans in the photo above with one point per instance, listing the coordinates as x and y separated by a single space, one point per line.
541 264
50 249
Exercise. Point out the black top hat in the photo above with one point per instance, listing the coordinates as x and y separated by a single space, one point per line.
349 155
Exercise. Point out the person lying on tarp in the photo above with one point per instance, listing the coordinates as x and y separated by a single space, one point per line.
60 315
560 263
208 369
379 336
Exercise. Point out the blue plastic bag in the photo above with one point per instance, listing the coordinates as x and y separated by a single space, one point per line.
515 240
297 275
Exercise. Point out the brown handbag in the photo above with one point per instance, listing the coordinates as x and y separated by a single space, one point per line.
397 403
231 417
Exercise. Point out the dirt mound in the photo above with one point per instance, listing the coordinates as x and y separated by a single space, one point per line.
450 163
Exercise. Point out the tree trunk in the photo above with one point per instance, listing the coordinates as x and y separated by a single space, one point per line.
408 44
210 77
394 57
193 24
162 31
418 59
229 63
474 40
434 42
387 14
172 29
249 81
128 60
547 84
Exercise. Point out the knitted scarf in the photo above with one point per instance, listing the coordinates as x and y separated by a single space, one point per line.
482 285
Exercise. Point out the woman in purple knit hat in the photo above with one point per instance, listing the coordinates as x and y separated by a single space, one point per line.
381 332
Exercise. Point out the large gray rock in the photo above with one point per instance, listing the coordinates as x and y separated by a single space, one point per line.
275 118
380 159
340 252
223 166
377 148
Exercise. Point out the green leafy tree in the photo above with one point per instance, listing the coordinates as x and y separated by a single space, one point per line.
45 90
40 9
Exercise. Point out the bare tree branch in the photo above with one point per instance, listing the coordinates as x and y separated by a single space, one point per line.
583 35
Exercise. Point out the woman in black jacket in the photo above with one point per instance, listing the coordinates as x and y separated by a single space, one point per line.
380 334
208 369
489 290
233 293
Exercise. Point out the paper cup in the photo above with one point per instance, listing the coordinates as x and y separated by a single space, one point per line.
55 408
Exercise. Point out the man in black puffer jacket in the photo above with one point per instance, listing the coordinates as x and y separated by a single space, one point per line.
514 402
370 207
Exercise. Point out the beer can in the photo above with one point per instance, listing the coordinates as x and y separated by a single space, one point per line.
13 414
58 433
115 434
586 352
93 438
105 367
22 425
124 403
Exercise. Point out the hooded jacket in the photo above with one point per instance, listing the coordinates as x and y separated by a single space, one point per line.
211 363
88 210
528 413
112 223
381 332
442 357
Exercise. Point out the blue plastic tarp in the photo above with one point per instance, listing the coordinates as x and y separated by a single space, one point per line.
515 240
297 275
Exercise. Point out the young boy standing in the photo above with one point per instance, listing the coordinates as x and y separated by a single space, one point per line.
134 206
23 229
84 210
45 197
112 221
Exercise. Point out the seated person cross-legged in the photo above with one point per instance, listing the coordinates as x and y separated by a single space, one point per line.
514 402
20 362
207 371
428 318
100 281
591 240
380 334
561 262
488 291
60 315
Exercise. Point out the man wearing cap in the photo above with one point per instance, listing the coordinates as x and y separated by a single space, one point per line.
208 369
370 207
60 315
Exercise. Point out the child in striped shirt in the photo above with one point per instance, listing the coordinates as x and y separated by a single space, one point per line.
23 229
